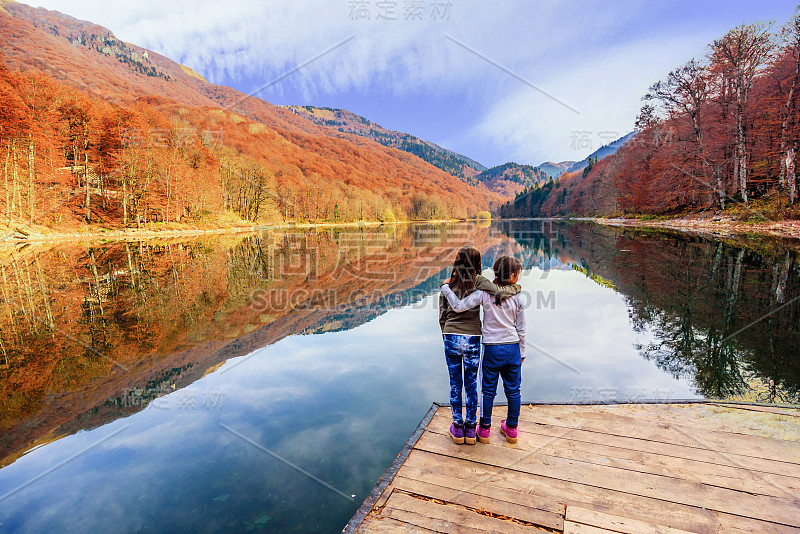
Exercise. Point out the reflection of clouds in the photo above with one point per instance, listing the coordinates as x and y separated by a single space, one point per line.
339 404
590 330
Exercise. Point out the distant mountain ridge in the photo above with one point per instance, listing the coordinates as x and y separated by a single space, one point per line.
511 178
348 122
554 170
603 151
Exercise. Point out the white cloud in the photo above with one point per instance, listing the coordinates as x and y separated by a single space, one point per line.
591 55
250 38
606 88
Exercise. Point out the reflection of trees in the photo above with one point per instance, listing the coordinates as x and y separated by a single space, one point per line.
697 300
685 348
81 326
705 317
73 319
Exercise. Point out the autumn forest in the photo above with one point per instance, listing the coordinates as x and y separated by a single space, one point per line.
719 132
131 138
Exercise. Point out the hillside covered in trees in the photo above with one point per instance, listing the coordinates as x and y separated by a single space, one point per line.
97 131
511 178
718 133
554 170
348 122
604 151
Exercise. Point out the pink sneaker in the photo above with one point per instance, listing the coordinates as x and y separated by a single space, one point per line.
483 434
457 433
509 433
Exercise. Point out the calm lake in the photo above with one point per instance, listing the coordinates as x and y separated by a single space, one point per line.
265 383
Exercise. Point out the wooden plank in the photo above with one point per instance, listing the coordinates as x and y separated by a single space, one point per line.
735 478
368 503
416 520
766 508
745 427
483 487
446 517
481 502
579 528
671 436
689 518
387 525
789 412
576 514
383 497
715 417
651 469
754 465
687 436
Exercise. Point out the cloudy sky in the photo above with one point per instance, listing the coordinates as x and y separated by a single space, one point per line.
524 81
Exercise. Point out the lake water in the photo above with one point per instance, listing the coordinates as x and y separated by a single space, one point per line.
265 383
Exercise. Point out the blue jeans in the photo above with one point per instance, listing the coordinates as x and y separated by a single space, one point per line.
461 350
506 361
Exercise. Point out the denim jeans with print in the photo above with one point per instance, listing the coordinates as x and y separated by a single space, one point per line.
463 352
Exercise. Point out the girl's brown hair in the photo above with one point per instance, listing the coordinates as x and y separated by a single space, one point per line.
466 267
504 268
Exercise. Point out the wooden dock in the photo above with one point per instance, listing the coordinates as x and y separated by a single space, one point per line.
625 468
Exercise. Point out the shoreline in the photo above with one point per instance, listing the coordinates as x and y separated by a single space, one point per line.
715 226
12 237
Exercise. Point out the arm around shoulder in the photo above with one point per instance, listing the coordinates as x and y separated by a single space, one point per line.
460 305
499 292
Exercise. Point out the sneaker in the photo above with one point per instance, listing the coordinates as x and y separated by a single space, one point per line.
508 432
457 433
483 434
470 434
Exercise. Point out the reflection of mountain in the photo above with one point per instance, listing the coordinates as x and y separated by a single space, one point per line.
722 314
347 318
90 334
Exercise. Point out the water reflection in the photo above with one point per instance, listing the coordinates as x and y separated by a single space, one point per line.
167 341
92 333
724 314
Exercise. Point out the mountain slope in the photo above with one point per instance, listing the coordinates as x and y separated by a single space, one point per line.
554 170
511 178
348 122
603 151
309 171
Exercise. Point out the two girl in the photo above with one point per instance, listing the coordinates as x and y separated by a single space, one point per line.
503 333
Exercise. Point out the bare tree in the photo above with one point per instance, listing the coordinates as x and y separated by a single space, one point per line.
685 91
790 35
740 55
